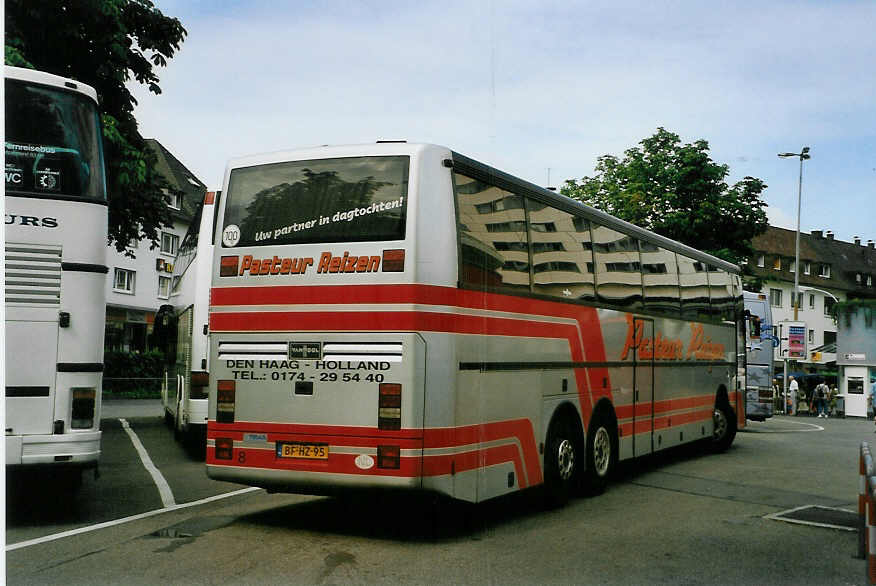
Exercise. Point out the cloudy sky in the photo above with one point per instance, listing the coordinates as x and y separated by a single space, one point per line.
538 87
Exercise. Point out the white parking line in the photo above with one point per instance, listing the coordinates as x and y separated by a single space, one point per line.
163 487
810 426
56 536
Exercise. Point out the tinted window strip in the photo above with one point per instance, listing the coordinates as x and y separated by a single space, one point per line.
84 267
80 367
19 391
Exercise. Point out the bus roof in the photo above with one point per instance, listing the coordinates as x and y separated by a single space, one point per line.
483 171
49 79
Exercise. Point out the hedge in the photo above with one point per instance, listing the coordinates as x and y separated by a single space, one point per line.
133 373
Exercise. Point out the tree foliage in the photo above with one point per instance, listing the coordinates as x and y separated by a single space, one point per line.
106 44
678 191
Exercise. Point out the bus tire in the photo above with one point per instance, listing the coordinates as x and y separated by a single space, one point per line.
562 461
724 419
602 452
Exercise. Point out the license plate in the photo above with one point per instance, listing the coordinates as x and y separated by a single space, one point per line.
300 450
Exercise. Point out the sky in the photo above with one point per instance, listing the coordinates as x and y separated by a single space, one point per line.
539 89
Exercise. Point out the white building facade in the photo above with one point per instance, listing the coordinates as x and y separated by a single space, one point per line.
830 272
137 287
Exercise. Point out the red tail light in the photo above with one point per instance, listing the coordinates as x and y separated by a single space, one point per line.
225 390
389 457
389 406
199 381
224 448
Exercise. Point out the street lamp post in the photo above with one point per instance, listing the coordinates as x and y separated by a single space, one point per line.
803 155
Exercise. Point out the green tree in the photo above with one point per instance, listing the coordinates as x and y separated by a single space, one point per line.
678 191
106 43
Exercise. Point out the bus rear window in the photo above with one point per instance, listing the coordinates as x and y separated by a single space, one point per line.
53 144
354 199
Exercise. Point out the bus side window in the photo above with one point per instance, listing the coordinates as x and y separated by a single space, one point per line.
694 287
494 248
660 279
618 268
562 255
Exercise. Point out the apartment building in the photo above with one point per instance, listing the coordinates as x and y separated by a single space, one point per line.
830 271
137 287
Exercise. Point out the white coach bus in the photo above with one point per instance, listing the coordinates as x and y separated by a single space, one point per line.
399 316
184 390
55 291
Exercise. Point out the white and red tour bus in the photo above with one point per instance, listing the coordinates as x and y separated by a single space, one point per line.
399 316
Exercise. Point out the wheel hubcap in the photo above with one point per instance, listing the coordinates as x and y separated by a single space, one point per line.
720 423
601 451
566 459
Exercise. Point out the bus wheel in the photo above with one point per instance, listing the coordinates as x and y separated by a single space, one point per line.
602 448
725 425
562 461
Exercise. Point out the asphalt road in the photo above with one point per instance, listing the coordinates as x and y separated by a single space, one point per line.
684 517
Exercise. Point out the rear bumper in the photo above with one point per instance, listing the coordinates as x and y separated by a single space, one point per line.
320 483
72 449
352 461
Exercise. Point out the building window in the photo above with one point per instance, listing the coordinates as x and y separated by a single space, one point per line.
760 261
776 297
828 306
869 280
169 243
123 281
812 336
174 200
163 287
793 267
807 267
811 301
777 264
858 278
824 271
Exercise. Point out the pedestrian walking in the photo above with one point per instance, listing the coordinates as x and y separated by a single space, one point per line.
793 388
819 399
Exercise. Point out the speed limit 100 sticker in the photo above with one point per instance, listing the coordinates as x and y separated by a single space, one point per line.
231 235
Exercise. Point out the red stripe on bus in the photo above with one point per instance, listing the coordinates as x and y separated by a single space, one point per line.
426 321
584 341
237 429
521 429
663 423
410 466
429 439
664 406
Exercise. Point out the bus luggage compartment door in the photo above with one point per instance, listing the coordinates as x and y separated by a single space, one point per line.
30 376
